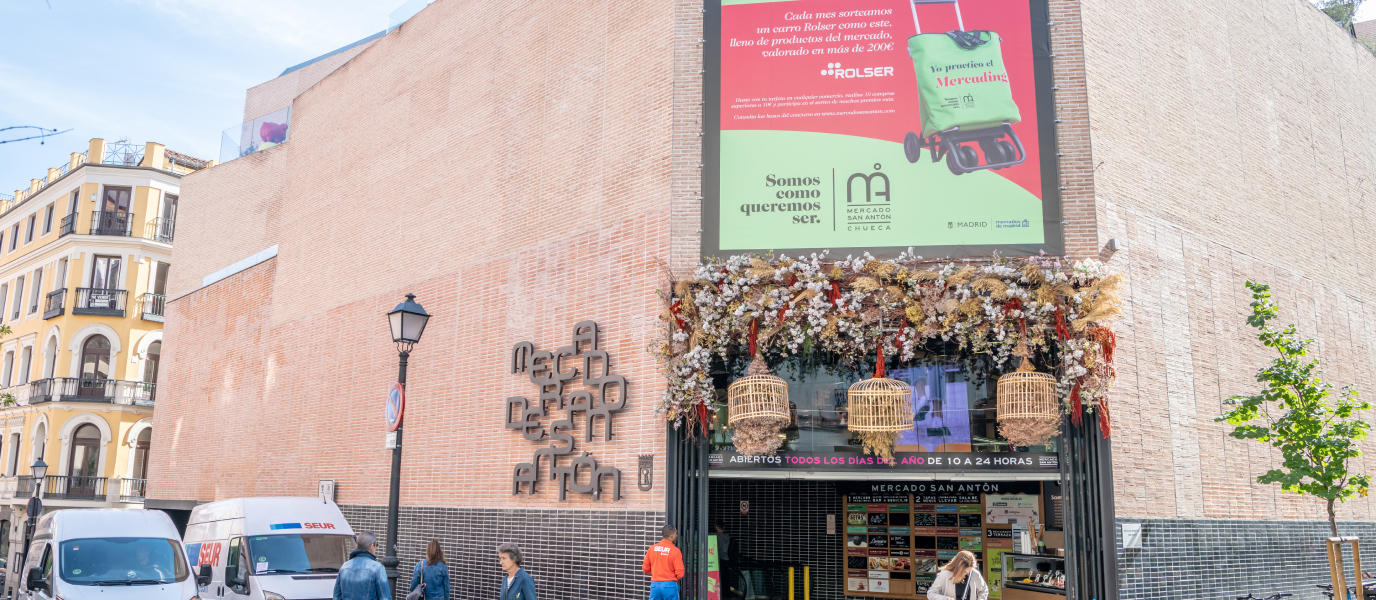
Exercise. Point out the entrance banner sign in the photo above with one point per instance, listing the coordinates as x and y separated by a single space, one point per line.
879 126
903 462
396 405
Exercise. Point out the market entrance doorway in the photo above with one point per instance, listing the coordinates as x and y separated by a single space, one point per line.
817 538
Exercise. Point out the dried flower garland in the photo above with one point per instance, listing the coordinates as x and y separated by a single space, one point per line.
814 304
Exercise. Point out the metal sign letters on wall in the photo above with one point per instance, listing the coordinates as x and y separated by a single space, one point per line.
604 395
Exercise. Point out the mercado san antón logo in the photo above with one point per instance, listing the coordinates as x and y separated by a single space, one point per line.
834 69
867 201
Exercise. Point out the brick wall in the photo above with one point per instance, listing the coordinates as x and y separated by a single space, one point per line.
1231 142
278 93
307 394
226 214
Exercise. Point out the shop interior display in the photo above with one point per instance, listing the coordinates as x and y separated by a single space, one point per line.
1034 573
978 311
895 544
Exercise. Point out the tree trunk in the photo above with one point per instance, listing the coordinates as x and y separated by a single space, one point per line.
1332 518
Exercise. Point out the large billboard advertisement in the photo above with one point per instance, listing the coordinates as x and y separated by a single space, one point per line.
879 125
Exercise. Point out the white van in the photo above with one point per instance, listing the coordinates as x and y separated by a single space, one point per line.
84 554
267 548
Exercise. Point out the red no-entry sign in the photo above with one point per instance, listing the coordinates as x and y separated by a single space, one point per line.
396 405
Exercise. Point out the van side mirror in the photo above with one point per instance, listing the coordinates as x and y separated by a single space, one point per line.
233 579
203 578
35 580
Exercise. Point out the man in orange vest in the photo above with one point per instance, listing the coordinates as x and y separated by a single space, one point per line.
664 564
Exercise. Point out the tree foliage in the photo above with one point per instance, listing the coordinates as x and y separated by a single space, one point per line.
1341 11
1295 412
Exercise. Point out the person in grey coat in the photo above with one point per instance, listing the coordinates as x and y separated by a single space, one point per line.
517 584
362 577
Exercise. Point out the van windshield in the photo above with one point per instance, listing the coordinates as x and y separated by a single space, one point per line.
298 553
122 561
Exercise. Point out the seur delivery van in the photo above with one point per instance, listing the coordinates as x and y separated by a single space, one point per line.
106 554
267 548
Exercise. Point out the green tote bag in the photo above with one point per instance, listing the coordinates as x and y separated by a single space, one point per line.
961 81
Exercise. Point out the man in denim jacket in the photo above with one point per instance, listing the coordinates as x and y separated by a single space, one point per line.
362 578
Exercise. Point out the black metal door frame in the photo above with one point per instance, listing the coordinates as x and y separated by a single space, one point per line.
1087 477
686 506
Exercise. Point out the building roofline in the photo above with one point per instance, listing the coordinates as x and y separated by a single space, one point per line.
69 173
332 53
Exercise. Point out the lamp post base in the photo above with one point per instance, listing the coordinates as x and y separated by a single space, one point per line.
390 563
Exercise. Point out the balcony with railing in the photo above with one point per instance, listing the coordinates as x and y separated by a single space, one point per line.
71 487
100 302
152 306
76 488
159 230
67 226
78 389
112 222
23 486
253 136
133 490
55 304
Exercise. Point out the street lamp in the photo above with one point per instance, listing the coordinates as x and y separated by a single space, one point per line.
37 471
407 321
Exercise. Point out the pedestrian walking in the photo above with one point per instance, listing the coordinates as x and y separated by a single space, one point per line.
517 585
431 575
664 564
959 579
362 577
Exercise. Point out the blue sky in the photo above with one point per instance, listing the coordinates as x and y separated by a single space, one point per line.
169 71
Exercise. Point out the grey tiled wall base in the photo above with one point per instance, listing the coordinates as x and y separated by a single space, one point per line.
572 554
1215 559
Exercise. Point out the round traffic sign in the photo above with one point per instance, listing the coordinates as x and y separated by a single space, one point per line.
34 508
396 405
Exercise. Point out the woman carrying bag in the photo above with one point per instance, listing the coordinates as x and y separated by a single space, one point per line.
430 578
959 580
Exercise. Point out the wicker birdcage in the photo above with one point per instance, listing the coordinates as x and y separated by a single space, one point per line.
758 410
755 396
880 405
1028 411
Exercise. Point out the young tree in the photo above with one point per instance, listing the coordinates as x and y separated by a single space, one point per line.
1317 434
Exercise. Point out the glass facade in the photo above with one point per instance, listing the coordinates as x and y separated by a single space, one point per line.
951 412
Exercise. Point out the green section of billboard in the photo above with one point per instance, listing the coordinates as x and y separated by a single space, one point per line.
788 189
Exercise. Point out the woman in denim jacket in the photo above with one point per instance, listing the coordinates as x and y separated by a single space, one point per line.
432 573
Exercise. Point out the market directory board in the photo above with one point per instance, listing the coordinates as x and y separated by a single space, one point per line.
895 542
879 125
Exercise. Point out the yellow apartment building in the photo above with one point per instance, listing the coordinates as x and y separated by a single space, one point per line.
84 257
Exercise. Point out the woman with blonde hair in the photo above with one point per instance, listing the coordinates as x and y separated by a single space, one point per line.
959 580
